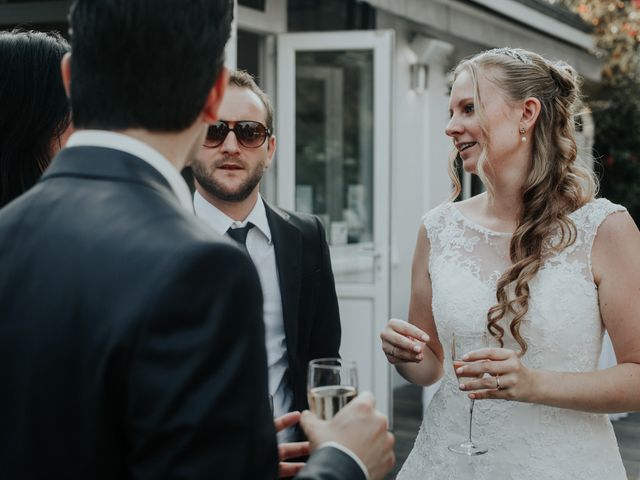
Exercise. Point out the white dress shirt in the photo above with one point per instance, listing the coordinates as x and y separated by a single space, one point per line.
137 148
262 252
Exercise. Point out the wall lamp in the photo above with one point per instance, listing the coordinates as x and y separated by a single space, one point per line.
428 51
418 74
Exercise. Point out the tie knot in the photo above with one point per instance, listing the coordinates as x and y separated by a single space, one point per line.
240 234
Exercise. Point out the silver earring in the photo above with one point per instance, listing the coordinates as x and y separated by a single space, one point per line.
522 132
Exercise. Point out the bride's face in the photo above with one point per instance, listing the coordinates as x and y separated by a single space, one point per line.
465 125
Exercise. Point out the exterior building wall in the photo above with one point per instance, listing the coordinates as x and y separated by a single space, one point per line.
420 149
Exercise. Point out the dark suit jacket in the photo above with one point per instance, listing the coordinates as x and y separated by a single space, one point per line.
330 464
309 302
131 339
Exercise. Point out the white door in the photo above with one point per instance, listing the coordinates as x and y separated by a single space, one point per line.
333 111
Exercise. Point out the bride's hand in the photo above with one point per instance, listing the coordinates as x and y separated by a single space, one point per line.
508 378
403 342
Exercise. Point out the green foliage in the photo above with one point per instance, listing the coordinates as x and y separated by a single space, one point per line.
616 112
615 103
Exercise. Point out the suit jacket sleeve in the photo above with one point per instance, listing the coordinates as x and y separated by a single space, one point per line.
329 463
326 330
197 399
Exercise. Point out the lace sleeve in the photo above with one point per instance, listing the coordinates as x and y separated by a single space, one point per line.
433 222
591 217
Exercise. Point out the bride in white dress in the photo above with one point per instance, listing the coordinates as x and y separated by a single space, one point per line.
541 266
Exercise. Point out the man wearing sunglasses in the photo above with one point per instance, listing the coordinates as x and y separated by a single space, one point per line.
289 250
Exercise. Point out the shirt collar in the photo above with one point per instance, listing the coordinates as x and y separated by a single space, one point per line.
221 222
137 148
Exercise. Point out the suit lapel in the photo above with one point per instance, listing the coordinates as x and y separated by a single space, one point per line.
288 249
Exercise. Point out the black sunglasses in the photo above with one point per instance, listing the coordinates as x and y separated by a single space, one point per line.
249 134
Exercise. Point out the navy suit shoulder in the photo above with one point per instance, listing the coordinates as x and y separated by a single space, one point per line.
123 310
308 224
329 463
315 251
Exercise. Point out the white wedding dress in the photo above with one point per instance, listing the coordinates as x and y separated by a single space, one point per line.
564 333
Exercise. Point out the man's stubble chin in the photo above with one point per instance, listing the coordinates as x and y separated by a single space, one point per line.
218 190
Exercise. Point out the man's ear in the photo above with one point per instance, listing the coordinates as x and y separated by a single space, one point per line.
65 70
214 99
530 112
271 149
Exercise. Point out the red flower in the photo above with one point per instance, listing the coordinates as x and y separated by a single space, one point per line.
609 161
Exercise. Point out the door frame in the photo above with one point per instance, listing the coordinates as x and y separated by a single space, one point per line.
381 43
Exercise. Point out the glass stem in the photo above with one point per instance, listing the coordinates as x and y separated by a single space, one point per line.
471 419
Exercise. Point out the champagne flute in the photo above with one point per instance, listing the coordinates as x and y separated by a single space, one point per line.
332 383
461 343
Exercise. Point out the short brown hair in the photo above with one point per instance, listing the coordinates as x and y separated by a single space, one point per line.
242 79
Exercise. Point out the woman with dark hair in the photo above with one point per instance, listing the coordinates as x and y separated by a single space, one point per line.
34 112
512 290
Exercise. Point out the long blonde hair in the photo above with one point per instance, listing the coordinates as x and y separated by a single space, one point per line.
557 183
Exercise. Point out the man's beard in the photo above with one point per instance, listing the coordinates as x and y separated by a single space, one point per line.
221 192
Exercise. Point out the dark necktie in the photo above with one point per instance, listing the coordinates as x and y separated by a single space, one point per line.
240 235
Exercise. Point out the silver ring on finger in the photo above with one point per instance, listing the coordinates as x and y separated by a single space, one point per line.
393 351
498 387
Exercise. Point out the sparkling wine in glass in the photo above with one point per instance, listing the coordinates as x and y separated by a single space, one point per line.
461 343
332 383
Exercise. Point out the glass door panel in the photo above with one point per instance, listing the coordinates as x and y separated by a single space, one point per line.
334 153
333 131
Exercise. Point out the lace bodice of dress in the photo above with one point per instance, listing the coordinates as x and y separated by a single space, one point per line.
563 330
466 261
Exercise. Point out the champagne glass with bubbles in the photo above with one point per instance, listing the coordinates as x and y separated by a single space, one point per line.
461 343
332 383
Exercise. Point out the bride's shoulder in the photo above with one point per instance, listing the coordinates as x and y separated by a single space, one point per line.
436 213
449 209
594 212
469 207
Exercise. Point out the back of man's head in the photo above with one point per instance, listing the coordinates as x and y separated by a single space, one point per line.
146 64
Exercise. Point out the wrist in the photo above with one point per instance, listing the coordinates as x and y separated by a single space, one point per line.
539 386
